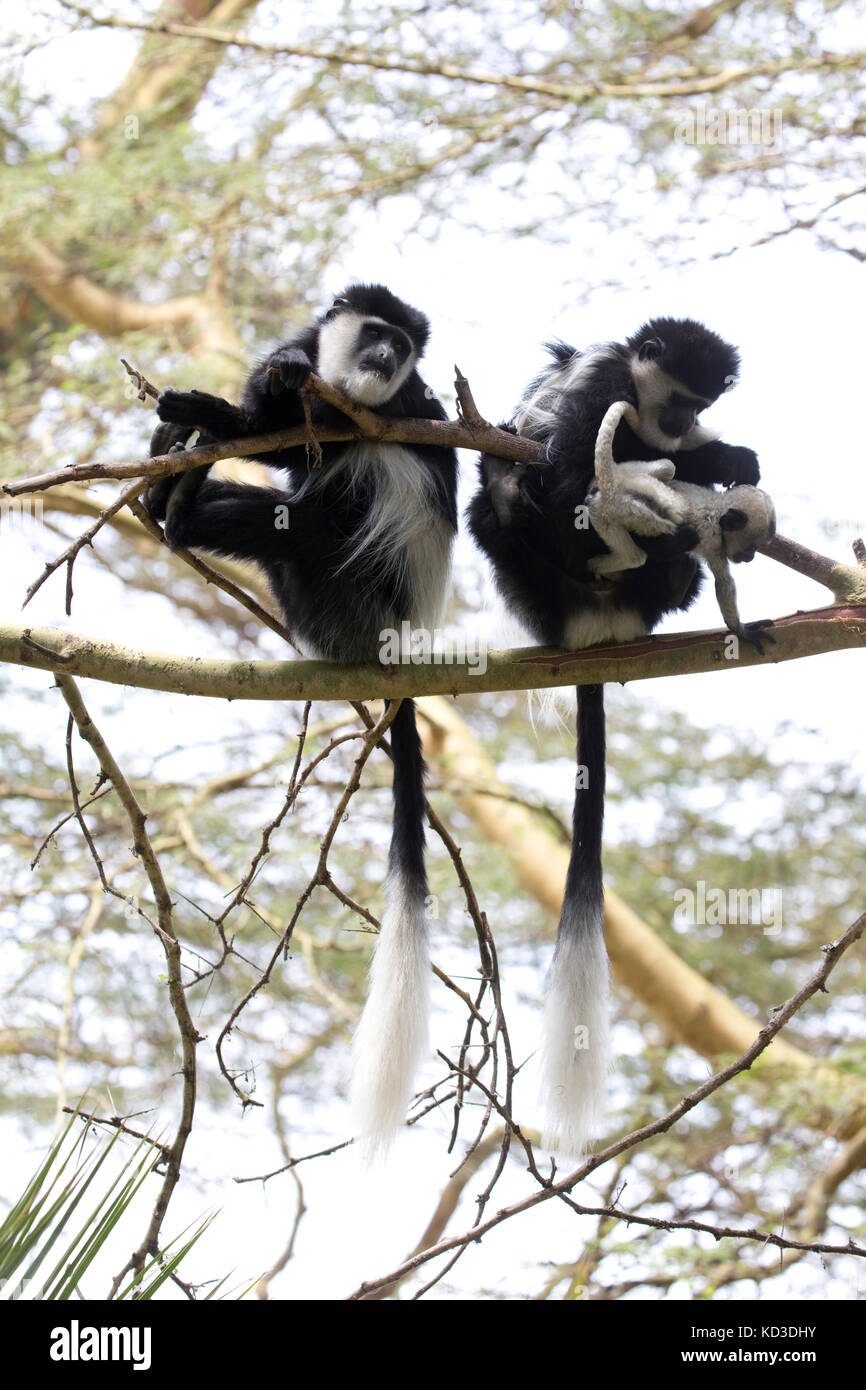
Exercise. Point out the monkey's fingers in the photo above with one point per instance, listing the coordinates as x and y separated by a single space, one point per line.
288 369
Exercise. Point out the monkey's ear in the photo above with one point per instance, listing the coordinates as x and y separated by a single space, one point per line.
651 349
734 519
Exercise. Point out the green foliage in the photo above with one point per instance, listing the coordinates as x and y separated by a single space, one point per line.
48 1245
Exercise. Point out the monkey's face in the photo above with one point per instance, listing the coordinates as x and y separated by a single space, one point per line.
749 520
668 410
365 356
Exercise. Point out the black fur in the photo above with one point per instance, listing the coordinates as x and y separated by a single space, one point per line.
692 353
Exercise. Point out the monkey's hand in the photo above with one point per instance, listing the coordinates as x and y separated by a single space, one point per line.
287 369
508 485
199 409
739 465
682 541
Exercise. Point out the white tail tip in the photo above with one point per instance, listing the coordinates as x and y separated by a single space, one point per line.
392 1033
575 1049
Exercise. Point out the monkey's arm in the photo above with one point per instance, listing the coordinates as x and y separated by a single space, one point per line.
726 592
726 597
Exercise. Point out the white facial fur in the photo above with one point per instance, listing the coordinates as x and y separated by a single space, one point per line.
654 386
337 356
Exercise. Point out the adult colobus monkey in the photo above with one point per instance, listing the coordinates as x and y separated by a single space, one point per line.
532 522
355 546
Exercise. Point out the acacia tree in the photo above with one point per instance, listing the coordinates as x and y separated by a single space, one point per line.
235 157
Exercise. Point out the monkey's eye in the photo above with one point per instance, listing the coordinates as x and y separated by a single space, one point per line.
371 332
400 349
686 402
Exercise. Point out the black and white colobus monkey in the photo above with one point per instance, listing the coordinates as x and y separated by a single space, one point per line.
531 523
355 546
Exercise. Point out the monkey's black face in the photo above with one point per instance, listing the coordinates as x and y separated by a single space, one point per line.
365 356
382 348
668 408
679 415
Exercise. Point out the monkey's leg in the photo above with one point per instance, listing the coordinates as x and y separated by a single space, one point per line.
249 523
625 553
717 462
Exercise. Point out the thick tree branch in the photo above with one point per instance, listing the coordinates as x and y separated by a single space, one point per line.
82 301
846 582
528 668
165 78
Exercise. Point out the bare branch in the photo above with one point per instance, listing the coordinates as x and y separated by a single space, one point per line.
797 635
365 424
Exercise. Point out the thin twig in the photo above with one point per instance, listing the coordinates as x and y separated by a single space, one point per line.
165 930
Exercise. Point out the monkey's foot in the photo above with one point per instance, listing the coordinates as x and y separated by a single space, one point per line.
755 636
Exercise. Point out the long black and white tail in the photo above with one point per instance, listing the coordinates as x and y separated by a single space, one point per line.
575 1047
392 1032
